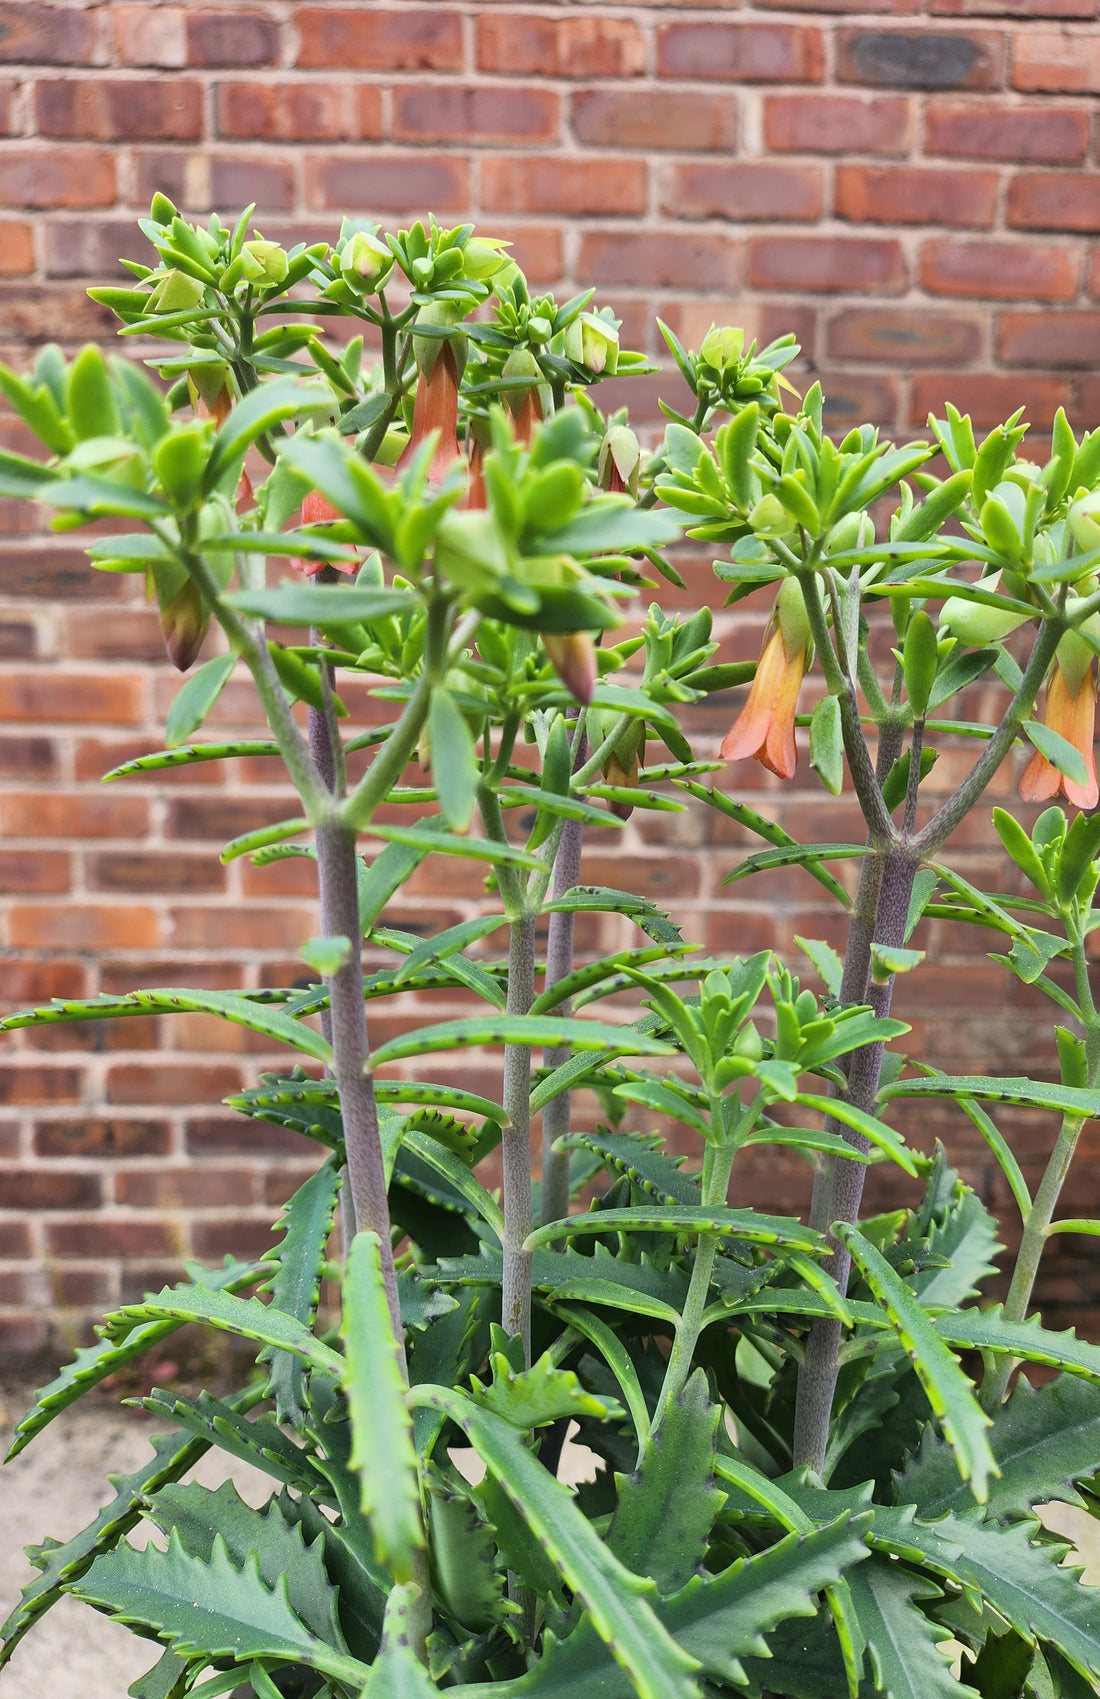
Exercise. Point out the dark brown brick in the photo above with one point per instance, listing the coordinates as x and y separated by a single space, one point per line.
37 870
412 38
240 1135
901 336
105 109
40 570
45 35
26 982
28 758
88 1285
920 59
148 872
231 38
741 52
49 1188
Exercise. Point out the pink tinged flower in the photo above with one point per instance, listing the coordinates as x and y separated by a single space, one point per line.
765 726
573 657
1072 714
435 408
317 510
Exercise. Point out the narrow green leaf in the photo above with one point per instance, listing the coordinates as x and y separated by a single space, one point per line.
248 1317
617 1358
742 1223
519 1029
189 754
947 1387
262 836
1057 750
448 942
195 699
795 855
444 842
295 1286
1025 1094
988 1330
383 1453
453 759
397 1672
263 407
906 1649
884 1137
229 1005
320 604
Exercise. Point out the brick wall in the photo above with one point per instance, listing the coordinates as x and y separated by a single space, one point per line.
912 188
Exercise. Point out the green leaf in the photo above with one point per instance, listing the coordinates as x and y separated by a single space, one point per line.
617 1603
255 413
212 1609
966 1235
988 1330
1057 750
321 604
530 1398
946 1386
743 1223
889 959
519 1029
763 828
666 1509
617 1358
449 941
195 698
397 1672
597 1279
827 744
229 1005
382 1451
998 1144
795 855
604 527
1023 1093
829 966
442 841
884 1137
1045 1440
905 1648
189 754
665 1100
326 956
295 1287
647 1168
249 1317
198 1516
453 759
262 837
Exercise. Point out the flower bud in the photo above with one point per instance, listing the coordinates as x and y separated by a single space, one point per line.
722 348
446 315
620 461
748 1043
183 623
791 617
573 657
976 624
524 403
769 518
1084 520
592 342
365 263
175 293
264 262
482 258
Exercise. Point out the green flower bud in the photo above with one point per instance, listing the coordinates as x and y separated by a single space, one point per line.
447 315
620 461
264 262
974 623
482 258
920 660
1084 520
592 342
769 518
365 263
175 293
722 347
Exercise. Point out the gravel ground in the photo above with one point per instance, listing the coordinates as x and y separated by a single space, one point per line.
56 1486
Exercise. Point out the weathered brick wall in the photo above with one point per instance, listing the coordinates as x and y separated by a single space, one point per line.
912 188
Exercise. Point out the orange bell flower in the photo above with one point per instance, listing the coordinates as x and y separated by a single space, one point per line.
1071 712
435 408
316 509
765 726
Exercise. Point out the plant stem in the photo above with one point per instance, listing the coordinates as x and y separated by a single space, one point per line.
717 1168
515 1298
559 964
818 1371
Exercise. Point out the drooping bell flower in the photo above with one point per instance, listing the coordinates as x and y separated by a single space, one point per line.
524 403
317 510
765 726
1070 710
435 406
620 461
573 657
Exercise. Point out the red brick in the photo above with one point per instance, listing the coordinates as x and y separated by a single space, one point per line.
71 697
1055 200
1005 271
989 397
73 814
155 872
664 121
31 1084
86 247
209 975
16 248
897 7
836 123
49 1188
536 248
231 38
161 1083
15 1239
9 88
742 190
1049 339
41 314
297 111
393 183
25 982
436 112
38 870
409 38
53 574
98 1136
1056 62
79 927
236 181
207 1187
569 186
113 634
231 1237
867 194
28 758
45 35
981 129
240 1135
901 336
80 1287
195 928
920 59
1014 8
104 109
102 1237
826 263
523 44
222 818
741 52
49 177
23 1337
671 260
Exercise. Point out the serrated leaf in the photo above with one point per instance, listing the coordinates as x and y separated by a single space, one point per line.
532 1397
647 1167
214 1609
666 1509
988 1330
440 843
229 1005
795 855
623 1285
196 697
250 1318
383 1453
747 1224
948 1390
257 1442
198 1516
904 1647
397 1672
519 1029
830 968
1023 1093
295 1287
967 1235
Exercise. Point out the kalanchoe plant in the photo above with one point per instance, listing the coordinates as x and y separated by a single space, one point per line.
801 1489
